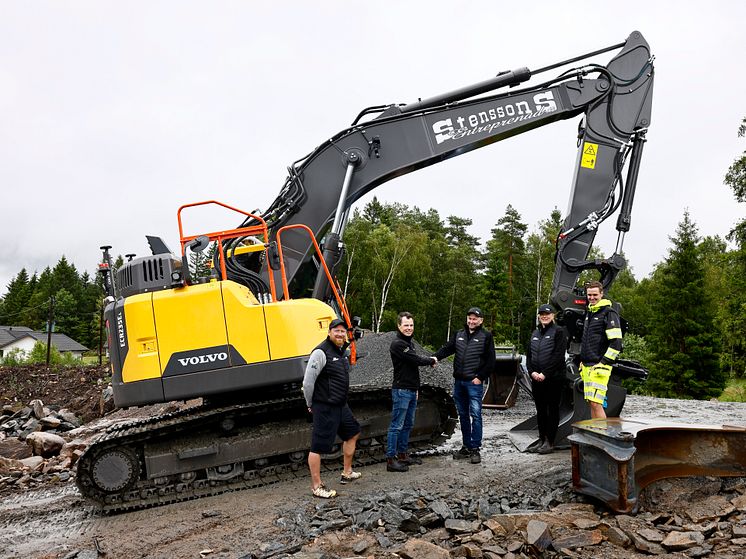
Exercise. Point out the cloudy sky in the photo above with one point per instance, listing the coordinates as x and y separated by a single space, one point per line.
113 114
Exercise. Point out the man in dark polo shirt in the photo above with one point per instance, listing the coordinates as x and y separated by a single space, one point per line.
325 386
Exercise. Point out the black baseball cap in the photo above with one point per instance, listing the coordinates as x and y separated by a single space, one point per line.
337 322
545 309
476 311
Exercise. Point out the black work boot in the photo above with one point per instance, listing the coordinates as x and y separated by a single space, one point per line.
461 453
394 465
475 457
409 459
546 448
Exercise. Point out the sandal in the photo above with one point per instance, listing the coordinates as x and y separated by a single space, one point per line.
323 493
352 476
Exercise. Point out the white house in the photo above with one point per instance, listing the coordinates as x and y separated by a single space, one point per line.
20 337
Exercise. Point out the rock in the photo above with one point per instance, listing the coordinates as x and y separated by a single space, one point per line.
68 417
50 422
501 525
402 519
586 523
617 537
641 544
496 549
14 448
362 545
713 507
442 509
739 502
538 535
106 401
8 465
739 541
37 408
33 462
651 535
420 549
676 541
739 531
482 537
579 539
45 444
461 526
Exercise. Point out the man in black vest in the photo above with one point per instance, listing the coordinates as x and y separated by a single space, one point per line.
325 386
602 342
545 361
474 362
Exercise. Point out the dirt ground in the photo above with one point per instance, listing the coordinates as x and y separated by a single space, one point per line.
55 522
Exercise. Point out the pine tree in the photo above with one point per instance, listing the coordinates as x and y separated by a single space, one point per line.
16 300
684 339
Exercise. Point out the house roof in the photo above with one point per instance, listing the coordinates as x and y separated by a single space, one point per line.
62 342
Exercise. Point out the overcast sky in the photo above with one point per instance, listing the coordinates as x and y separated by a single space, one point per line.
113 114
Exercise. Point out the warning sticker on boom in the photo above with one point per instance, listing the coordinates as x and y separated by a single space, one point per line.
590 152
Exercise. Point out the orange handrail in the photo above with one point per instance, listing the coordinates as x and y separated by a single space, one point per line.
332 283
220 236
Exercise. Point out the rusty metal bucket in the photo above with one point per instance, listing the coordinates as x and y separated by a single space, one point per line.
613 459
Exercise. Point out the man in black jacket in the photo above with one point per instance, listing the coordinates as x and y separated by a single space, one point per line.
474 362
404 392
326 384
545 361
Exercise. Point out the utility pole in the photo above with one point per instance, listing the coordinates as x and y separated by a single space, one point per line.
50 319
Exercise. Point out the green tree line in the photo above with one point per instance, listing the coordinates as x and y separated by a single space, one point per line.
76 300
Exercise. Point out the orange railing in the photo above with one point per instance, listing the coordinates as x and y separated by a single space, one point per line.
220 236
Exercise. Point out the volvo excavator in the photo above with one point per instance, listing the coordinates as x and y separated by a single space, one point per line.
239 335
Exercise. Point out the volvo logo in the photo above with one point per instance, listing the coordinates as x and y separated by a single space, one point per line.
207 358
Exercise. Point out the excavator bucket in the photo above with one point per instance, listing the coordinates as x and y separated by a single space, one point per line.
613 459
573 407
502 386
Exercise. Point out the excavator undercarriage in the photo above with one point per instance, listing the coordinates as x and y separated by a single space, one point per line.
206 450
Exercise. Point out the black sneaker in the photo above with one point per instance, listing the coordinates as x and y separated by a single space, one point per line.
475 457
462 453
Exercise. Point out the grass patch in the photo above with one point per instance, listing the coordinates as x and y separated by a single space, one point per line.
735 391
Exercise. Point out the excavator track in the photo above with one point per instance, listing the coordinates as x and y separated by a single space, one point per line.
206 451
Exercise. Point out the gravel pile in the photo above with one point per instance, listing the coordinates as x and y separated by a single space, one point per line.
374 367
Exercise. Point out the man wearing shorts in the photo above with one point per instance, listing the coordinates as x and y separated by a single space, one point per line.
325 386
602 342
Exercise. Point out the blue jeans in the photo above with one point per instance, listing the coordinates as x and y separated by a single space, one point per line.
402 420
468 399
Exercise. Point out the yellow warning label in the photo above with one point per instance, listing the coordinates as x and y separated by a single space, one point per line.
590 152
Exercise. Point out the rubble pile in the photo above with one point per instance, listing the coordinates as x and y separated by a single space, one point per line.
710 521
32 449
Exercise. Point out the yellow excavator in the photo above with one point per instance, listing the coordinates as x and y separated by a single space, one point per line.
238 333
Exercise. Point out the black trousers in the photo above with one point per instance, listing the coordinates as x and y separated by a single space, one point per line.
547 394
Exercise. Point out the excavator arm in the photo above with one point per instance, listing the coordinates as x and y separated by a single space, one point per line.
615 101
